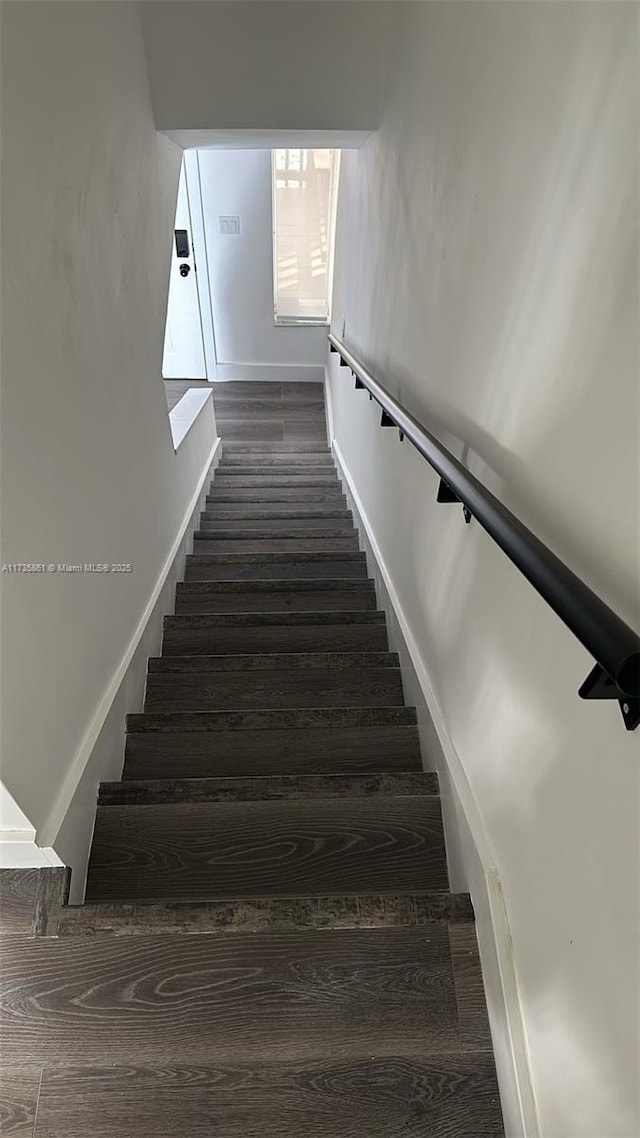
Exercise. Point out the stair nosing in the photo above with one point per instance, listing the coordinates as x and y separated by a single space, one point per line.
326 913
267 788
274 661
271 619
262 719
280 584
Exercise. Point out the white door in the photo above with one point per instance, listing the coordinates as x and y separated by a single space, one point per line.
183 341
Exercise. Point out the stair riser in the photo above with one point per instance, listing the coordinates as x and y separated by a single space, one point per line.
203 569
276 602
273 496
301 688
210 754
254 466
272 431
275 481
274 788
339 525
275 460
269 409
238 447
274 662
209 851
346 638
254 544
306 514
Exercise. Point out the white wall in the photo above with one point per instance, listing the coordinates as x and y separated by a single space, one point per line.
257 66
89 469
487 268
238 182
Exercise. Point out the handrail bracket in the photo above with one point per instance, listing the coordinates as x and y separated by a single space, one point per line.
447 495
600 685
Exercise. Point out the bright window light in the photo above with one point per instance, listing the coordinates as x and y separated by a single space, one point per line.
305 186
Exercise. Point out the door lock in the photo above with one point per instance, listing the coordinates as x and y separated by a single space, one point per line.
185 270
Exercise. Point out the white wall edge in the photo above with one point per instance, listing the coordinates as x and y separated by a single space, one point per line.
58 812
510 991
25 854
267 139
186 411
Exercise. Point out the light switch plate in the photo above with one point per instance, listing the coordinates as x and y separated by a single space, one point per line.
229 225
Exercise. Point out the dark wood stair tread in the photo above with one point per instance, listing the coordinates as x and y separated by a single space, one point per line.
347 992
444 1096
272 661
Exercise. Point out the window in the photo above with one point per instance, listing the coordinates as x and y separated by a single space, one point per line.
304 201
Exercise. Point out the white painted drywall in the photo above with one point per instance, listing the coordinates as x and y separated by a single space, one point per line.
238 183
487 269
256 66
90 473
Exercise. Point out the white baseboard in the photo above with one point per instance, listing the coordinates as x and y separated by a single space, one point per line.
470 854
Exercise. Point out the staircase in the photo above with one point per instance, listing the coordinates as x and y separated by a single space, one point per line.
269 936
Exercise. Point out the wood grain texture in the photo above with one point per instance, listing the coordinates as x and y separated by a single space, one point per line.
213 851
272 495
151 998
271 459
266 848
446 1096
18 892
275 566
293 718
254 530
280 596
273 787
190 640
273 661
194 754
297 470
298 687
265 914
19 1087
253 408
473 1019
273 511
299 480
246 545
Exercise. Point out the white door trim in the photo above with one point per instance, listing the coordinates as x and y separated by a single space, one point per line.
201 259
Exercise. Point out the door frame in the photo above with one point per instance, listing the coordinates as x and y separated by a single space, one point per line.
201 261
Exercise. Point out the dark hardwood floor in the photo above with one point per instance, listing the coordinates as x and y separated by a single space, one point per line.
269 947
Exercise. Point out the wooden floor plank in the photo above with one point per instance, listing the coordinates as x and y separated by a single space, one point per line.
19 1087
210 999
443 1097
18 893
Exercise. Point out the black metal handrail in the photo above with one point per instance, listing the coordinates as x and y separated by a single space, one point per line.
613 644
